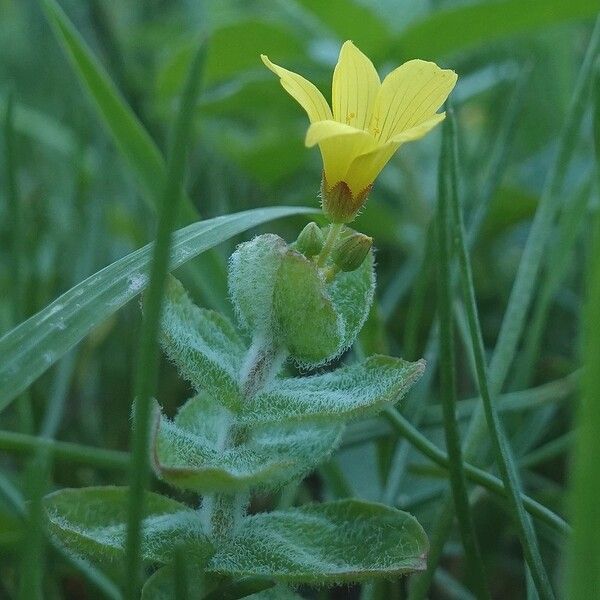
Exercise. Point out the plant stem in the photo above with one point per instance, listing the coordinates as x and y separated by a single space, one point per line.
263 361
335 229
221 513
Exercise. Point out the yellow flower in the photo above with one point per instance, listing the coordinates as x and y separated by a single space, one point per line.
369 122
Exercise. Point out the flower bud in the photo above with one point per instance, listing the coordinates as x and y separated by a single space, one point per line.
350 253
310 241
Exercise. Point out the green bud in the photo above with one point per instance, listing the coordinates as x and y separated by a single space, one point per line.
350 253
310 241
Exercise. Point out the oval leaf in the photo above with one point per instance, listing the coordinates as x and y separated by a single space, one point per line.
203 344
352 295
349 392
92 521
252 270
307 322
349 540
189 453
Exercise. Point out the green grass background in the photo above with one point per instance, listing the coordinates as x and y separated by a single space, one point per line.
82 177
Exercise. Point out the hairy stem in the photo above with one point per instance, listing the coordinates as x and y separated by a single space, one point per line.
221 513
262 362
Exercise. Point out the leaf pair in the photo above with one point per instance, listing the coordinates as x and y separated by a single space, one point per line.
279 293
348 540
190 452
285 429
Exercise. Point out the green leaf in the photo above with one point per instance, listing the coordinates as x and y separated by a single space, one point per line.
252 270
203 344
317 320
349 392
349 540
92 521
33 346
189 452
161 584
307 322
352 296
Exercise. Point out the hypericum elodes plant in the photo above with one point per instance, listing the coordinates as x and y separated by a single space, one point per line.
250 426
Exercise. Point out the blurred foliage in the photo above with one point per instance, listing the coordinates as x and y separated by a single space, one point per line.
81 209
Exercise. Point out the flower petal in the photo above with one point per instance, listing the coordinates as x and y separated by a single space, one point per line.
339 144
303 91
364 169
410 95
417 132
355 87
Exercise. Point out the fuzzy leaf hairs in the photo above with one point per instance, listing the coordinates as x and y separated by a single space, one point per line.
252 428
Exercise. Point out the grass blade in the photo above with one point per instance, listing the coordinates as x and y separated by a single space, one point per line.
448 365
147 362
497 165
558 261
521 294
17 249
33 346
133 141
584 556
529 266
11 441
503 451
474 474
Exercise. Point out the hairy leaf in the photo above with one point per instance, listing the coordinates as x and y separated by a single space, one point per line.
252 270
203 344
92 521
349 540
307 323
316 320
191 452
352 296
346 393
